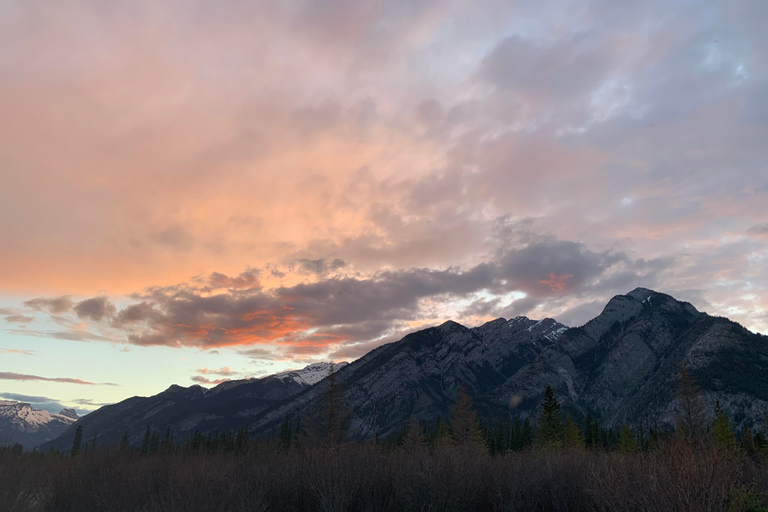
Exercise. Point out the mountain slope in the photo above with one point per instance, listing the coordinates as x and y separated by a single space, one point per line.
186 409
420 374
23 424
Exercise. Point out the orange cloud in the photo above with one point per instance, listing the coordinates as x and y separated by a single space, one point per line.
556 283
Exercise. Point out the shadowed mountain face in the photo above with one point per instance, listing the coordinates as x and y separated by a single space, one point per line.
622 366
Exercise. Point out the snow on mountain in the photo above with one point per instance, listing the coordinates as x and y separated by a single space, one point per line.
23 424
311 374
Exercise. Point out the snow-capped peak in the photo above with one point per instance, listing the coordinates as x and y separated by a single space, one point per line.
311 374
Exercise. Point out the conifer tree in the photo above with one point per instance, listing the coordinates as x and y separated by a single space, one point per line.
653 437
501 441
691 422
549 430
464 428
146 442
77 441
526 438
722 431
329 425
627 441
442 437
516 441
747 441
125 443
286 434
572 437
414 439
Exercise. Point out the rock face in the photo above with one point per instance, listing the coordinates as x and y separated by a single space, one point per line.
21 423
622 366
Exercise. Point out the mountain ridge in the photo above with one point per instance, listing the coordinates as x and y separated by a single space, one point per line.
621 367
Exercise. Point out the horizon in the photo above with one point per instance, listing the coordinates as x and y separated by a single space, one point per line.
196 193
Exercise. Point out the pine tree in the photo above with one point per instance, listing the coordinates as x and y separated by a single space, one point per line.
146 442
627 442
442 437
691 422
516 441
77 441
572 437
125 443
526 438
501 442
286 434
329 424
464 428
549 430
722 431
414 439
747 441
653 437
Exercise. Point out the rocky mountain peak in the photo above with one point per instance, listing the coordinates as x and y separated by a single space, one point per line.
69 413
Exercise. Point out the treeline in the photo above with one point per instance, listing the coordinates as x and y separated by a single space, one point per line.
457 464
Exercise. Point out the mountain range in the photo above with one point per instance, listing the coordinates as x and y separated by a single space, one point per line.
621 367
23 424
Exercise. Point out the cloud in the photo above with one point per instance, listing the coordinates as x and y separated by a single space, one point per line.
54 306
225 370
63 380
203 380
19 319
96 309
759 230
17 351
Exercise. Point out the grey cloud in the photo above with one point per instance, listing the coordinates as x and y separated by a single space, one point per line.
258 354
759 230
19 319
63 335
175 237
566 69
64 380
44 403
319 266
96 309
54 306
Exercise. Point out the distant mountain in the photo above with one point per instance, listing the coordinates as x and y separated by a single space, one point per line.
622 366
224 407
23 424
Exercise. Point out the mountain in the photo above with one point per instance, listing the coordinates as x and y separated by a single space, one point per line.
420 374
21 423
621 367
224 407
624 365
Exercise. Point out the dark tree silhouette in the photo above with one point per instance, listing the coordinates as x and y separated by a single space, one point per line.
550 428
465 430
691 422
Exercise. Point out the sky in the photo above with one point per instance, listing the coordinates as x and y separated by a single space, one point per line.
195 191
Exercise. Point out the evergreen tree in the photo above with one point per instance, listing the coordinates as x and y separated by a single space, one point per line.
77 441
328 425
627 441
146 442
501 443
589 438
549 430
442 437
464 428
572 437
414 439
722 431
747 441
526 438
125 443
692 419
516 441
286 434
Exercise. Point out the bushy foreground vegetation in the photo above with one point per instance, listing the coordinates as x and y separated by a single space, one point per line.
366 477
459 465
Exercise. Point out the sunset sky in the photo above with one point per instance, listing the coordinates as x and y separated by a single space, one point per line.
193 191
